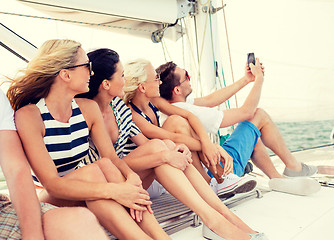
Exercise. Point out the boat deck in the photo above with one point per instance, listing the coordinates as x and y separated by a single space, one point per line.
284 216
174 216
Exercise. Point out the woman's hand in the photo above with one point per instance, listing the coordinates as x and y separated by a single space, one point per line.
182 148
225 159
134 179
138 215
211 155
131 196
177 159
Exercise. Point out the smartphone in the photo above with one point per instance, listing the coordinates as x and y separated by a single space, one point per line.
250 59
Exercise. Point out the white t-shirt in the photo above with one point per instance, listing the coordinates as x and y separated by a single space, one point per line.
6 114
211 118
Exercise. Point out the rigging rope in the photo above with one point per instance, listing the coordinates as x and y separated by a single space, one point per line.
229 50
200 52
191 50
227 102
182 38
190 44
203 4
165 49
198 74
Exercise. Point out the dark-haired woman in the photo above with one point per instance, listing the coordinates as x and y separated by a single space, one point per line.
170 164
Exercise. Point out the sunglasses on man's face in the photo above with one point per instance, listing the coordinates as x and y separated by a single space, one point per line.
187 77
87 65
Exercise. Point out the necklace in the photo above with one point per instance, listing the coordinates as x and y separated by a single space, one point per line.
117 122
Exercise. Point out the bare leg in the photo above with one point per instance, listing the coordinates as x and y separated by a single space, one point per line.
198 165
178 124
220 169
262 160
272 138
149 224
171 178
151 227
208 195
72 223
206 204
145 171
110 214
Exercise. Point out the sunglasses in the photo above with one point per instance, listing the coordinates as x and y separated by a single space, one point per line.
156 79
187 78
87 65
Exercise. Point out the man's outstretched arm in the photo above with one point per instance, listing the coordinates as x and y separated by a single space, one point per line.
247 110
220 96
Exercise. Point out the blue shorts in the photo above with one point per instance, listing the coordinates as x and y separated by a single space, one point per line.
240 145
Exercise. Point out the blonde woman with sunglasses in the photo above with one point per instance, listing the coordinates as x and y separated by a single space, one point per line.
54 129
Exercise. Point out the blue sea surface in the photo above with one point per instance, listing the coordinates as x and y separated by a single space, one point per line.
297 135
302 135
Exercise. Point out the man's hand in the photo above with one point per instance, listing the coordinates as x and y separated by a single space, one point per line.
257 70
248 72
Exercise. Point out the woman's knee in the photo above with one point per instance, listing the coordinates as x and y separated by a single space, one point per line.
177 124
110 170
157 145
90 173
170 144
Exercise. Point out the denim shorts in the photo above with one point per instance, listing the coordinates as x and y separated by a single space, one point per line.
240 145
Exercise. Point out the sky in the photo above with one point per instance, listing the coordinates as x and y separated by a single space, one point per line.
293 40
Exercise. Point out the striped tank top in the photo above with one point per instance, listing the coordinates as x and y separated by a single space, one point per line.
67 143
126 129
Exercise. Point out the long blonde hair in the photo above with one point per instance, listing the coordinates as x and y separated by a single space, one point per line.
35 81
134 73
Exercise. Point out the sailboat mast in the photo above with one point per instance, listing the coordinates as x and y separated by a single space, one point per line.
204 45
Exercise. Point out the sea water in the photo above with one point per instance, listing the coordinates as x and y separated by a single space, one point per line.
303 135
297 135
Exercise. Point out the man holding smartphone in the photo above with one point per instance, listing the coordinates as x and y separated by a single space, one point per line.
254 131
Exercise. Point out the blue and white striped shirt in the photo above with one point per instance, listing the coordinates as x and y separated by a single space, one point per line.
67 143
126 129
